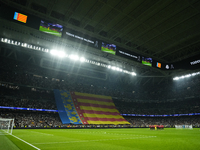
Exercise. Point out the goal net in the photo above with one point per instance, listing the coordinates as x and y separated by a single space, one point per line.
183 126
6 125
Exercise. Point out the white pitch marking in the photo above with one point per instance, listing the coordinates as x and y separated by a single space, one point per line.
42 133
25 142
95 140
109 133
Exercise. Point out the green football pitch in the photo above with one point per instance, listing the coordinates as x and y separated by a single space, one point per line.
49 31
101 139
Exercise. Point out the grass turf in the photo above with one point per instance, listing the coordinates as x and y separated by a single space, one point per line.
6 143
107 139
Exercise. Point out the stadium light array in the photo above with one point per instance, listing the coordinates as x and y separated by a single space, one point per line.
74 57
58 53
26 45
62 54
186 76
113 68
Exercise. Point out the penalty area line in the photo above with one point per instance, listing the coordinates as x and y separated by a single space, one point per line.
25 142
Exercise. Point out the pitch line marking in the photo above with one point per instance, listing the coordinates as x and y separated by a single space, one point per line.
109 133
43 133
96 140
25 142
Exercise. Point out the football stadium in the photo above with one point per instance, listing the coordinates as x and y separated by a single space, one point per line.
99 75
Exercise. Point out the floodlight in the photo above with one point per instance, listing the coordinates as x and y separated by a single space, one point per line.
193 74
61 54
176 78
118 69
188 75
53 52
133 73
58 53
74 57
25 45
109 66
113 68
82 59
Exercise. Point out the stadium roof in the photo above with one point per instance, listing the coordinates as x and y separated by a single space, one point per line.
167 31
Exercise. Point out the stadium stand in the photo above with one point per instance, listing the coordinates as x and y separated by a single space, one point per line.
26 85
166 121
16 72
25 119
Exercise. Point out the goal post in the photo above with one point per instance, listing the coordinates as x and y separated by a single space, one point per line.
6 125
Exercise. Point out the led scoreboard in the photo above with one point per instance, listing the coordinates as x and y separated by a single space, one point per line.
20 17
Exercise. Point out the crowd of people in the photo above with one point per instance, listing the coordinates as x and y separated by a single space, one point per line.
44 99
34 119
32 75
166 121
27 103
185 106
30 86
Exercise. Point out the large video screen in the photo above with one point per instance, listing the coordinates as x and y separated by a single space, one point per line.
51 28
147 61
109 48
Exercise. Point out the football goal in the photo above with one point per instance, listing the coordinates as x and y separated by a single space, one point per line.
6 125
